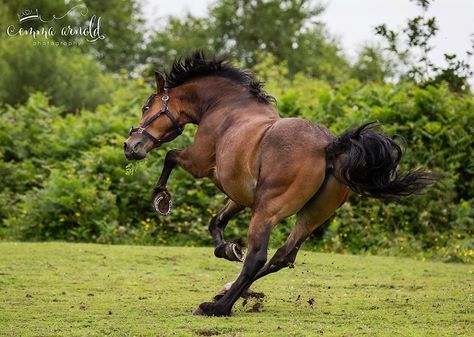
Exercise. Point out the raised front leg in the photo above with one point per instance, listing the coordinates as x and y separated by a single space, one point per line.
161 197
231 251
168 166
193 159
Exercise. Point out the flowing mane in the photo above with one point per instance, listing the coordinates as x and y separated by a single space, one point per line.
196 65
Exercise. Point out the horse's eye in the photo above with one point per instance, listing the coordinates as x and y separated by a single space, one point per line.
145 109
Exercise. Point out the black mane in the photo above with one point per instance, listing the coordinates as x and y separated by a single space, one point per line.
196 65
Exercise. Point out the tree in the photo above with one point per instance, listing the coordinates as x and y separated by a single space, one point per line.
70 78
178 38
120 23
372 66
412 47
288 29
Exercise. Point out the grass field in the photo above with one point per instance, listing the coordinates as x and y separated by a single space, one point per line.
59 289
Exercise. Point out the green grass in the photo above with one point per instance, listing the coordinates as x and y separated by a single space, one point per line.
61 289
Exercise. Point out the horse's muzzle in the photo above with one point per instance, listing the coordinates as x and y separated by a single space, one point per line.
134 149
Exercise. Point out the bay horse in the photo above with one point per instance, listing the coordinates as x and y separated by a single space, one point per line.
275 166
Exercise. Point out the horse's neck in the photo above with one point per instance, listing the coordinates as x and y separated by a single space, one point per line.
223 103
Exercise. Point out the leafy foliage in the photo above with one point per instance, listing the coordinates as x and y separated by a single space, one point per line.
412 46
121 24
372 66
65 178
245 29
64 175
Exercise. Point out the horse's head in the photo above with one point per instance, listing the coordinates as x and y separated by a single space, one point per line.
160 123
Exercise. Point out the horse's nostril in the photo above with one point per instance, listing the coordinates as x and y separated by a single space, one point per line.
125 146
135 147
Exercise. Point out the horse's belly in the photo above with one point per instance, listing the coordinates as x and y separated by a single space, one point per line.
236 160
238 186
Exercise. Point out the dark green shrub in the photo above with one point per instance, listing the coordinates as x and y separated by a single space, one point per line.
65 178
437 125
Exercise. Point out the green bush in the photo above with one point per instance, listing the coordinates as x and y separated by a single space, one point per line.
64 176
437 125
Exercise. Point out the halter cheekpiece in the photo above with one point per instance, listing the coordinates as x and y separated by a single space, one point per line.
175 132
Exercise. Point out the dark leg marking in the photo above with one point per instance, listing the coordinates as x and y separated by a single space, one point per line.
232 251
256 258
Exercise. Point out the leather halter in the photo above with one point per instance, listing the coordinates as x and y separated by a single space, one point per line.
169 136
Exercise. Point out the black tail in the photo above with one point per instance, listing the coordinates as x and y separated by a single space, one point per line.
367 163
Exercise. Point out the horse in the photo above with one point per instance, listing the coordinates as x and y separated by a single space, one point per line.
275 166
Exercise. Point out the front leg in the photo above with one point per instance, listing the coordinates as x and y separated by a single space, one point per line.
162 202
231 251
193 159
171 160
161 197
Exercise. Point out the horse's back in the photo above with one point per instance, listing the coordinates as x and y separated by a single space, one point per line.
297 136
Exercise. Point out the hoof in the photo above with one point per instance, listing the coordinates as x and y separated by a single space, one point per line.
210 309
198 312
162 201
232 251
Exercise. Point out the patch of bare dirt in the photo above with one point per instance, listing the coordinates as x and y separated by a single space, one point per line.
256 307
255 297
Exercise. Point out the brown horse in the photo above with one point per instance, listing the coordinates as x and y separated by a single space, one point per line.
275 166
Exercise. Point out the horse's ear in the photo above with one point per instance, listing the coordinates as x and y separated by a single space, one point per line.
160 82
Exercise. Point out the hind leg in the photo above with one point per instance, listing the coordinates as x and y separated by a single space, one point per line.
322 206
284 256
258 237
231 251
279 204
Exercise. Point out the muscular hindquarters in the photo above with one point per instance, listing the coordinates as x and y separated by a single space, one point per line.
292 165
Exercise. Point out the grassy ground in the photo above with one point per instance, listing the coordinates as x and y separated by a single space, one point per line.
58 289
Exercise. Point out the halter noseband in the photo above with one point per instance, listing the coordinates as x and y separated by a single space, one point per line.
164 109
